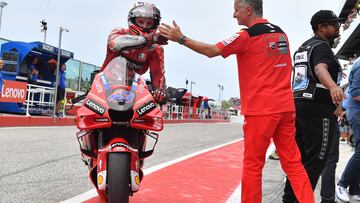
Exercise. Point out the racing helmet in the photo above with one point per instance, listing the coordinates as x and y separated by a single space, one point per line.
144 10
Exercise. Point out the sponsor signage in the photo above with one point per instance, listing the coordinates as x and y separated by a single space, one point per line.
95 107
98 85
301 57
146 108
13 91
54 50
120 96
48 48
231 39
65 53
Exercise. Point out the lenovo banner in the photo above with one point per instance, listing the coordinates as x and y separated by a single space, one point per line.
13 91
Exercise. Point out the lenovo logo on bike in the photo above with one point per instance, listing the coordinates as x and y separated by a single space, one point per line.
146 108
95 107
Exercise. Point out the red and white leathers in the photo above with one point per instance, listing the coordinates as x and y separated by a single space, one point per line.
141 52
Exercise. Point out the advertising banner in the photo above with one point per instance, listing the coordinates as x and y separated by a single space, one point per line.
13 91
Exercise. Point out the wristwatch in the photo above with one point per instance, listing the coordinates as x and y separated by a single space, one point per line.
182 39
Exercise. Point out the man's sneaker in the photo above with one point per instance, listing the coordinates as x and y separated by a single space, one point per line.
342 194
355 198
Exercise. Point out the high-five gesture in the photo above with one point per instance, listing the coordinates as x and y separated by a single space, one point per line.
172 33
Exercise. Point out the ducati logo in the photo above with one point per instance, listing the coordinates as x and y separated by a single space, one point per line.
272 45
142 56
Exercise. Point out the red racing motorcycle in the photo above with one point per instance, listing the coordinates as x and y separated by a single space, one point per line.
115 122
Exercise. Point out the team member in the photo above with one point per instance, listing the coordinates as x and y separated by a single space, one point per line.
264 66
316 77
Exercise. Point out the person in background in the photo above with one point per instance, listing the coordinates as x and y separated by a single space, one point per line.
350 178
344 124
317 74
61 91
206 107
49 72
33 70
344 129
264 67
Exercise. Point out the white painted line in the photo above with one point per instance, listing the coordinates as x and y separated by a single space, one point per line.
40 127
236 196
92 193
82 197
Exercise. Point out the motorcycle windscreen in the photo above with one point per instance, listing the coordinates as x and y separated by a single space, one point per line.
118 80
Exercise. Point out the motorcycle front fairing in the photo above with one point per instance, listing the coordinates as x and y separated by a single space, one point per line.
118 96
110 92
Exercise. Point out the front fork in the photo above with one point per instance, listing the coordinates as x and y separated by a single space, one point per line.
118 145
121 144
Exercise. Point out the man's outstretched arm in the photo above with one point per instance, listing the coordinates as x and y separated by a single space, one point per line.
174 33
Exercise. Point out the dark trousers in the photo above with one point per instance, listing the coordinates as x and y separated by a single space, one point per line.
314 136
328 174
351 175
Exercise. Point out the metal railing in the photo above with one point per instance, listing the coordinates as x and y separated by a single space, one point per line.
39 97
172 111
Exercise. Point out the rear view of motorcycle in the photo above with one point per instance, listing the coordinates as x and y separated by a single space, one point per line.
117 117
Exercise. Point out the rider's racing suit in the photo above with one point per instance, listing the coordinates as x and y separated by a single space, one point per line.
141 53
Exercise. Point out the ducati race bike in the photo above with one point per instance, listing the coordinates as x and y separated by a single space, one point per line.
116 119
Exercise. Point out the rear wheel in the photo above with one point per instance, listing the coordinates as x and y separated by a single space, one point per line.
118 177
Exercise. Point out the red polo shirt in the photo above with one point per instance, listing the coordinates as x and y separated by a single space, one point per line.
264 68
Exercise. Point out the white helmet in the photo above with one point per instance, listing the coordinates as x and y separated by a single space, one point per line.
144 10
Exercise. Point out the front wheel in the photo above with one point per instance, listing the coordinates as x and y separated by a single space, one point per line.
118 177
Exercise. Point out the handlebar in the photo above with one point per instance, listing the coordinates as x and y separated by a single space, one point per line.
77 99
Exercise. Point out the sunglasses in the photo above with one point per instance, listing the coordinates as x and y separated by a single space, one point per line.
335 24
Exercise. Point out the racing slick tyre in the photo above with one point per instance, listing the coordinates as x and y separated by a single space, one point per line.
118 177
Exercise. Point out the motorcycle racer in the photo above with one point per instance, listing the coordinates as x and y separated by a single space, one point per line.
140 44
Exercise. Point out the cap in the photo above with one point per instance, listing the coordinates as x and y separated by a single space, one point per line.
325 16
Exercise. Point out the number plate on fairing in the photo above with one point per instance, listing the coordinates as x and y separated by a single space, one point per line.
122 95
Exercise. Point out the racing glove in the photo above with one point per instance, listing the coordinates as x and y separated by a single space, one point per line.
155 38
159 39
160 96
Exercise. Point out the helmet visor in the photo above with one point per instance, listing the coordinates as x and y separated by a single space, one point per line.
146 23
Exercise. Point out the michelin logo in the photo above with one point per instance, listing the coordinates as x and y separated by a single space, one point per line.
146 108
95 107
